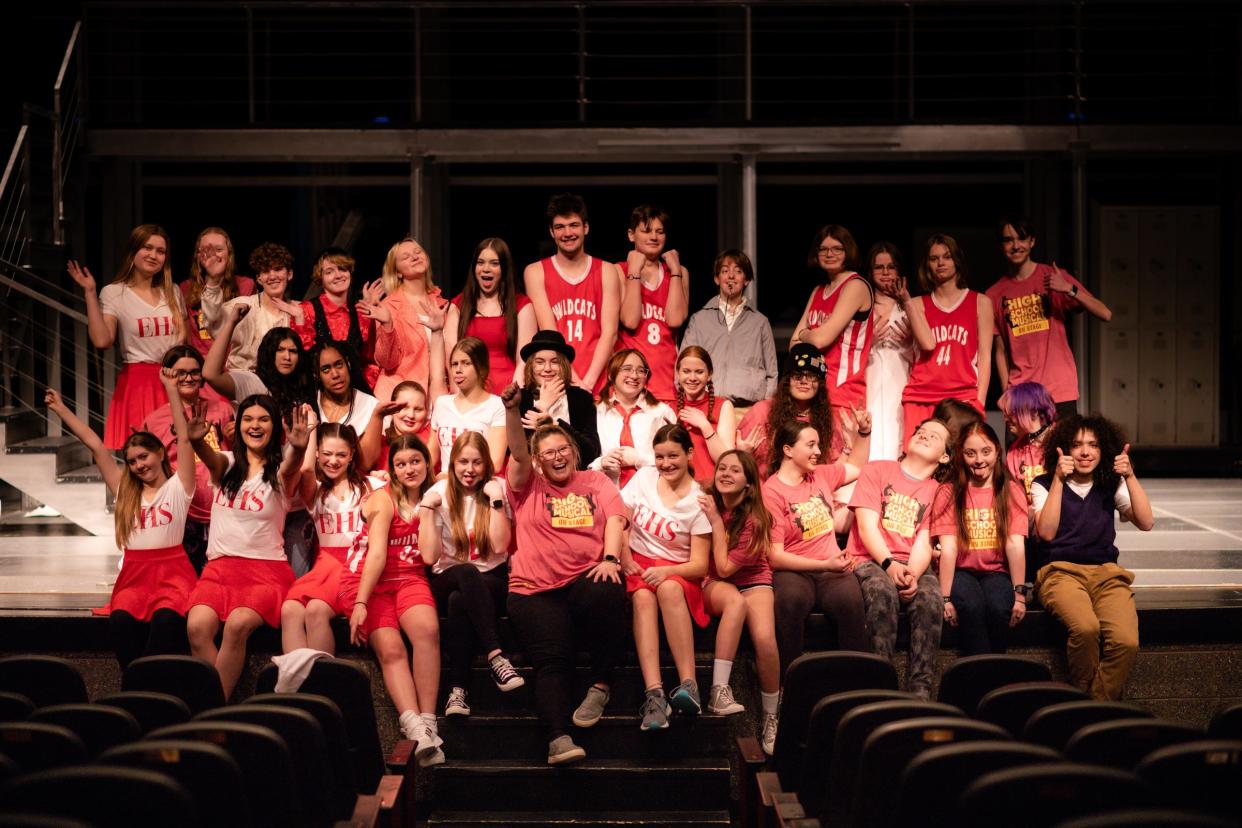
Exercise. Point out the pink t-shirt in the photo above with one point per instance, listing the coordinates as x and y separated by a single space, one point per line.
250 524
753 569
802 514
160 522
902 502
984 549
560 529
160 423
1025 459
1031 320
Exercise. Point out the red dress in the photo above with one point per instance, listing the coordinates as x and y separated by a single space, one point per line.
845 360
576 308
703 467
654 338
491 329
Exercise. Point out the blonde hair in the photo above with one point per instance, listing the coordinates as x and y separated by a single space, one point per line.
198 279
392 279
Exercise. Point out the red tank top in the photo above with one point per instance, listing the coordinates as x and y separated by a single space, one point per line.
492 330
846 358
703 467
951 369
654 338
403 560
577 309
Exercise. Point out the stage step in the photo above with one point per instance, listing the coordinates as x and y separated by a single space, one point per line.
593 785
518 737
484 819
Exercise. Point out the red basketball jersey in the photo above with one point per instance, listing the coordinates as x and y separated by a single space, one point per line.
845 359
654 338
577 308
951 369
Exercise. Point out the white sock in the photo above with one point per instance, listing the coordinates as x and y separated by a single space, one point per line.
721 670
430 720
408 720
770 700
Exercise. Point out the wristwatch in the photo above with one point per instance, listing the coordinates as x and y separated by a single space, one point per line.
886 563
1073 291
612 559
1023 589
498 504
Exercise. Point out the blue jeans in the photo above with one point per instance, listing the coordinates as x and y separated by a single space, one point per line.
984 601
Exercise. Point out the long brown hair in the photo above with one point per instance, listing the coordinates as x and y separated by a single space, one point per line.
164 281
614 368
749 510
697 353
468 306
357 482
456 494
476 350
129 492
198 279
959 482
928 279
400 501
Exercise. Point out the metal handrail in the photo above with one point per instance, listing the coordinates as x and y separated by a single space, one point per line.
17 148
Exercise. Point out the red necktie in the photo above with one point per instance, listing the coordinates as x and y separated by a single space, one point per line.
627 439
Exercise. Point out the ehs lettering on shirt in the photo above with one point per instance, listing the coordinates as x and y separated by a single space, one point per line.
1026 314
243 501
900 514
575 306
571 512
654 524
332 523
981 528
951 333
813 516
155 326
152 517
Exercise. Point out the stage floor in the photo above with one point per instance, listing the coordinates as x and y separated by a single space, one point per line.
1196 544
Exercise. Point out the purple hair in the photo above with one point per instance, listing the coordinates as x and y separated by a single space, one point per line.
1029 404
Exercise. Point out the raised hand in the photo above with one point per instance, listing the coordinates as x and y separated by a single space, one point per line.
493 490
300 428
634 262
197 426
54 401
169 378
862 419
432 500
81 276
433 315
374 309
1065 465
673 261
387 409
237 312
373 293
900 290
695 418
549 393
1121 463
1057 280
750 442
511 396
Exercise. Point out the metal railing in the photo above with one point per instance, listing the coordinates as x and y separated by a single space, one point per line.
715 62
43 341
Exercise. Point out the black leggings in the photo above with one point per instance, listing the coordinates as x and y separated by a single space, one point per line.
164 634
835 594
470 601
547 622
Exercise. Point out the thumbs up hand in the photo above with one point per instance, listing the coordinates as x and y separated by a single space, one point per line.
1121 464
1065 465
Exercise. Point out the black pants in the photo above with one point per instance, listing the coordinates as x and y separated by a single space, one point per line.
984 602
836 595
164 634
547 622
470 601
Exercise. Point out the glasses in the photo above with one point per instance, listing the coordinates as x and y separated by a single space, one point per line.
831 251
636 370
189 375
882 268
552 454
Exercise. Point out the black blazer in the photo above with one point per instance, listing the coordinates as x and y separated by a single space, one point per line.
581 425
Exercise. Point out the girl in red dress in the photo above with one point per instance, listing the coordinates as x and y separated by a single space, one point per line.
708 418
492 309
146 613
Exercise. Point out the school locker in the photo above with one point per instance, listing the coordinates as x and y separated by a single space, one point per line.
1119 361
1196 392
1157 409
1158 283
1119 265
1196 268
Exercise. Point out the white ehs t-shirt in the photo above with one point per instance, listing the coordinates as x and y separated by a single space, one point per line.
660 531
448 422
145 332
449 555
160 523
250 524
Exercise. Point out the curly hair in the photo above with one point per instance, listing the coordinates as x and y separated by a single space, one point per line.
270 256
1111 437
784 409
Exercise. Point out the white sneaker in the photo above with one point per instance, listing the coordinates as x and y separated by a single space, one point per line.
767 737
429 744
721 702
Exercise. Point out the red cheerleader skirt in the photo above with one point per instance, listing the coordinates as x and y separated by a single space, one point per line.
692 589
323 582
150 580
228 583
137 393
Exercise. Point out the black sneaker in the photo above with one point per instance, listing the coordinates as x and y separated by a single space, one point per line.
504 675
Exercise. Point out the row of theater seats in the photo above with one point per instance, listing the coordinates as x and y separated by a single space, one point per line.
1003 744
167 749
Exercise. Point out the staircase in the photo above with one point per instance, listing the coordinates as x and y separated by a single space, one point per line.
497 773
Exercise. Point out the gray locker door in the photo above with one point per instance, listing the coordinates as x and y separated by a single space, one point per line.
1157 409
1157 269
1119 390
1119 287
1196 387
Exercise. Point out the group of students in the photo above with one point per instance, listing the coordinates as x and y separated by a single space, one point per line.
552 455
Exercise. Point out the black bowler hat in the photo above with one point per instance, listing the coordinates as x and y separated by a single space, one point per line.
805 357
547 341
